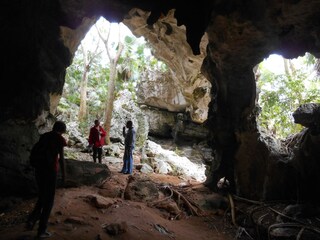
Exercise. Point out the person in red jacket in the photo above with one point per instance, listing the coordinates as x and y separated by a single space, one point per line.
96 140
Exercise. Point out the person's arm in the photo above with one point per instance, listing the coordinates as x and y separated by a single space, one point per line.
124 131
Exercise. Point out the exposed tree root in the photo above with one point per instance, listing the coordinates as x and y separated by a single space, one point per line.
294 225
242 231
162 200
194 210
232 209
180 199
247 200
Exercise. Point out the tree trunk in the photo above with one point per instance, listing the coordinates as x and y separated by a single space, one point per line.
111 84
83 95
111 91
84 81
286 66
317 66
109 102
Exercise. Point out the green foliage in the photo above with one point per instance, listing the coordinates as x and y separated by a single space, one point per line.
281 94
134 61
310 59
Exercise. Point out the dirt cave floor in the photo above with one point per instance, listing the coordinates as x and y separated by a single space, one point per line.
137 206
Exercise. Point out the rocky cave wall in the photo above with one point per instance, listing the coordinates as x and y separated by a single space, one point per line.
184 88
41 37
237 42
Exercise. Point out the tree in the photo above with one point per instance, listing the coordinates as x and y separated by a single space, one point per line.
112 78
88 58
281 95
134 60
311 60
96 89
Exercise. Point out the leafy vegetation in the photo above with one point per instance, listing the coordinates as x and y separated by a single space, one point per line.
134 61
282 93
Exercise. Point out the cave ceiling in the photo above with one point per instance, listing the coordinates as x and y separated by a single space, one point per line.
238 32
194 16
286 18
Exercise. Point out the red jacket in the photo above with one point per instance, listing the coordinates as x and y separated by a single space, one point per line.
96 137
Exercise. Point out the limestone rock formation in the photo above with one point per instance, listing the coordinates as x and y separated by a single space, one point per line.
160 122
184 89
85 173
125 109
308 115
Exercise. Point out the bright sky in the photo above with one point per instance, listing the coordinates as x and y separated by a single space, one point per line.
115 27
91 39
274 63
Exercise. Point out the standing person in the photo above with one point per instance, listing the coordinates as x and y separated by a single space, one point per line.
96 140
129 143
46 175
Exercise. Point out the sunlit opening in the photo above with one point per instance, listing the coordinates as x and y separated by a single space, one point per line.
283 85
111 53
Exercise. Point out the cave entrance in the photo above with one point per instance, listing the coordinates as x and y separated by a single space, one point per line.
283 85
88 78
86 95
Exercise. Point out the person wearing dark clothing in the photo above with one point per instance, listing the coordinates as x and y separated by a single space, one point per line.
129 143
46 177
96 140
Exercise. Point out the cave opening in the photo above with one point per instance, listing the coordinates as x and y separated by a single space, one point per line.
283 85
86 92
87 79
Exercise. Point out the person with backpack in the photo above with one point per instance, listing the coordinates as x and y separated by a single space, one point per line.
96 140
50 158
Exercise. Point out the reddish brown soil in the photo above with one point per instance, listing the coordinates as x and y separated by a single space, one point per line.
75 217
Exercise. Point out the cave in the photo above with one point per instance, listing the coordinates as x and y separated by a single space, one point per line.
40 39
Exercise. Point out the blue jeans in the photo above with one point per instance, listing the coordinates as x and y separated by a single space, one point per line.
127 160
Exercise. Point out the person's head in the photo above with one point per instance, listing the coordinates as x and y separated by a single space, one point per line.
96 122
59 127
129 124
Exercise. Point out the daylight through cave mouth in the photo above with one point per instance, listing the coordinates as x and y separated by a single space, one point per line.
87 82
283 85
87 87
